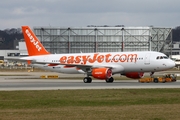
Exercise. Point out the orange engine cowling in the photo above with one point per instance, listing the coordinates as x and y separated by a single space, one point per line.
134 75
102 73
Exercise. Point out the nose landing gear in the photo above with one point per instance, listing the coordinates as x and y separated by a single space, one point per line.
151 74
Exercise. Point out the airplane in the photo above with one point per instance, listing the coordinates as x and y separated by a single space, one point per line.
100 65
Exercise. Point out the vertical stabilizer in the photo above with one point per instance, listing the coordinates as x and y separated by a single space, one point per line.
34 46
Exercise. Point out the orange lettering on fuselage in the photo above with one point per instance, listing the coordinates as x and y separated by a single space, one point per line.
132 57
94 58
123 58
107 58
115 58
70 60
99 58
63 59
85 58
78 59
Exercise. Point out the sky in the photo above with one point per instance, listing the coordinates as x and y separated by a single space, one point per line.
81 13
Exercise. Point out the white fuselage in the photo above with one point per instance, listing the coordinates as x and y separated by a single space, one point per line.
121 62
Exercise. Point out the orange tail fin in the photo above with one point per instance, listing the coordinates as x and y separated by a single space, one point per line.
34 46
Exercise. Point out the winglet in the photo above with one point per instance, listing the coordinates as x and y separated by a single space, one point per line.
34 46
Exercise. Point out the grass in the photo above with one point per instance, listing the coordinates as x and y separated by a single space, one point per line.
115 104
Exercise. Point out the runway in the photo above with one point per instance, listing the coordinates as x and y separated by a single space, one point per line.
78 84
11 83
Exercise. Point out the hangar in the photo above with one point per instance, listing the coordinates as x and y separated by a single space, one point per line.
104 39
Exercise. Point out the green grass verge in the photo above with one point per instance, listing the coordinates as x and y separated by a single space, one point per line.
140 104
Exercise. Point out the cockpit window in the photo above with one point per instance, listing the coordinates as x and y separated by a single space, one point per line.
161 57
158 57
165 57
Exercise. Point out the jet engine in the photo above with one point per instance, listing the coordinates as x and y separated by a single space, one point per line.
134 75
101 73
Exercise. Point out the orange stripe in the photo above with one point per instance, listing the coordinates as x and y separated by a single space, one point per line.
53 64
78 68
68 66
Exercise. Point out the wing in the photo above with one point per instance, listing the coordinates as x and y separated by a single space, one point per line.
116 68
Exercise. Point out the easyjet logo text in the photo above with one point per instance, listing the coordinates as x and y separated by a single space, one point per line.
32 40
107 58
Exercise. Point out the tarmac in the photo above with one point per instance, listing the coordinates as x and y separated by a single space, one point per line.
10 81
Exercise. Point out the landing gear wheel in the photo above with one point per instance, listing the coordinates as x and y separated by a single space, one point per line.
155 80
110 80
87 80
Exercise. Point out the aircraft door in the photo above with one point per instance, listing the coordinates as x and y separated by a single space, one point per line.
147 59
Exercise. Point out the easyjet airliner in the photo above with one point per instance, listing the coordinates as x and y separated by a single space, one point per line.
98 65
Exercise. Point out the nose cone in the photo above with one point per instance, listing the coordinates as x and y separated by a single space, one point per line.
171 64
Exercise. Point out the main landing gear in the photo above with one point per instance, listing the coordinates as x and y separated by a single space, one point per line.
110 80
89 80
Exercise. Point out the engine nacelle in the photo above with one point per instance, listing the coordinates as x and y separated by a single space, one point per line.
134 75
101 73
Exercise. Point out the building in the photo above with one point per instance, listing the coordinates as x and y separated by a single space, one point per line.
20 51
104 39
175 48
98 39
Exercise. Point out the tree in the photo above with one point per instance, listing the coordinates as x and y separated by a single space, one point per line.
8 36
